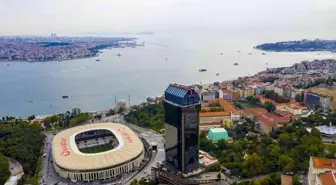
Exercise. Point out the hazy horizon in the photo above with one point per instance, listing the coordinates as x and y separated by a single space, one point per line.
80 17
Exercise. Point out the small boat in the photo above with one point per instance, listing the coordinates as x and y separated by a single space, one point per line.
263 53
238 51
30 101
87 67
119 54
166 59
202 70
65 97
7 64
217 74
221 53
97 60
250 53
235 64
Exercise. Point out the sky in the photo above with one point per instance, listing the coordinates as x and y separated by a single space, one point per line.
69 17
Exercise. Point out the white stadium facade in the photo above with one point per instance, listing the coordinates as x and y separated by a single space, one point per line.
125 151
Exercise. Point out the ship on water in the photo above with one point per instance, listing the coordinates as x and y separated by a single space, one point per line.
119 54
235 64
202 70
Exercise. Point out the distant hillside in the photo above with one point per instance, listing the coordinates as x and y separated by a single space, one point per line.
299 46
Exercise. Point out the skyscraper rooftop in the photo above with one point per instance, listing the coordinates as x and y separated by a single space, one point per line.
181 95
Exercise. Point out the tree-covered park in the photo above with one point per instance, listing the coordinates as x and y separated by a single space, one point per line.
20 140
147 115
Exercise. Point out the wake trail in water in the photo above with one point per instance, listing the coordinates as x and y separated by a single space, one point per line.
157 44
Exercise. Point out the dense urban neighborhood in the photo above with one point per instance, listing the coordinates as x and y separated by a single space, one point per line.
54 48
300 46
278 125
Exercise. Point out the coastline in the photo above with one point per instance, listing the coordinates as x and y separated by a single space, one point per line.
22 61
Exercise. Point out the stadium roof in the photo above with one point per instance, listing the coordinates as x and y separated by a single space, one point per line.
66 154
327 130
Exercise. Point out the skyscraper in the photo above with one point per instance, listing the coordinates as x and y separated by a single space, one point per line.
182 109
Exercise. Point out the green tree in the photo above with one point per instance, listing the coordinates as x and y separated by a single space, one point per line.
315 132
4 169
296 180
75 112
269 106
253 165
286 163
121 109
134 181
110 112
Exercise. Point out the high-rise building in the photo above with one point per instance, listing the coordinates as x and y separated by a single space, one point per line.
182 109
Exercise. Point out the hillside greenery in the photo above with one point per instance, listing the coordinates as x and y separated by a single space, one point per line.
287 150
4 169
147 115
22 141
67 119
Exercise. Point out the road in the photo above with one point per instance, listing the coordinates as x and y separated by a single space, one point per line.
150 137
15 167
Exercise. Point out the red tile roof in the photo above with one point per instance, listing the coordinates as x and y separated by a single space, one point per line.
327 178
226 91
214 114
276 118
324 163
227 107
255 111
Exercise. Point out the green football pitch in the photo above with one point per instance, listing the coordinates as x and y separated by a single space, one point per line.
96 149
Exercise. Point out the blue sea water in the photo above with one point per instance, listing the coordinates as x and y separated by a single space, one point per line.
140 72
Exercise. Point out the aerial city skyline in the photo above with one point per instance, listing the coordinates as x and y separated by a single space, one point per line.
178 92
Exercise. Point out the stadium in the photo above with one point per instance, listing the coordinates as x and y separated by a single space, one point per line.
96 151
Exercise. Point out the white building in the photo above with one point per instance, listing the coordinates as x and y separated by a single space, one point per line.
209 95
279 90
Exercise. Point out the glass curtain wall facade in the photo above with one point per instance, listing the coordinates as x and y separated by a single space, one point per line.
182 109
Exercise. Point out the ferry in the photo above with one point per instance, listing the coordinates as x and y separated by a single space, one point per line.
202 70
65 97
